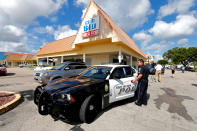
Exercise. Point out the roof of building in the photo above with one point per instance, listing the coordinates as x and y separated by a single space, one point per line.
11 53
120 33
30 57
9 56
61 45
15 57
66 43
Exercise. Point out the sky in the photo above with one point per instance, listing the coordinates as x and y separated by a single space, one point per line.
154 25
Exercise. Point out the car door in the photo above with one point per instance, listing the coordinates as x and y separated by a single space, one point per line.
121 87
69 71
73 69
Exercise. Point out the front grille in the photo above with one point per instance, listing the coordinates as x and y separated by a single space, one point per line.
37 74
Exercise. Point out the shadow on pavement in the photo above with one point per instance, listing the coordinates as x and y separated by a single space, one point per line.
8 74
76 122
194 85
26 95
175 103
77 128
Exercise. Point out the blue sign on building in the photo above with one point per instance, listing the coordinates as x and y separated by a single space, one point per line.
3 56
91 27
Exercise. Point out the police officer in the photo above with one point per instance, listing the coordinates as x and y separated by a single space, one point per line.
142 83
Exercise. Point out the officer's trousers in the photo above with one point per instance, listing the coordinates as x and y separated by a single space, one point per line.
142 91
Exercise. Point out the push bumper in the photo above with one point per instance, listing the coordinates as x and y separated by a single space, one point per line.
46 105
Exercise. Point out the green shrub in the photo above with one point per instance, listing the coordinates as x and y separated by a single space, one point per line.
194 70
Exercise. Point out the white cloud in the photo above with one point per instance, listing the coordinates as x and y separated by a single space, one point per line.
83 13
35 37
16 15
183 26
20 47
144 38
175 6
49 29
14 30
54 19
157 57
157 48
58 32
129 14
25 11
77 24
11 33
63 32
183 42
84 2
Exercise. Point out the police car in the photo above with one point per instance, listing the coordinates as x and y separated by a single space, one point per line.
87 94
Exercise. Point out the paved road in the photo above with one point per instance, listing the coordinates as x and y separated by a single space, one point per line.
172 107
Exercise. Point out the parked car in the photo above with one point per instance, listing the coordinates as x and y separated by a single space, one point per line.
3 70
188 68
26 65
64 70
84 96
42 67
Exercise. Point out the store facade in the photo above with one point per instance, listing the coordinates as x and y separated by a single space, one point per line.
99 40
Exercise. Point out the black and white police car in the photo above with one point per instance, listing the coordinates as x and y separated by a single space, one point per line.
87 94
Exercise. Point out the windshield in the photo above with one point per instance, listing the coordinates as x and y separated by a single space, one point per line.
59 67
97 72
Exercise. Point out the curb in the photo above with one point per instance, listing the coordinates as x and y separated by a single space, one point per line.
10 105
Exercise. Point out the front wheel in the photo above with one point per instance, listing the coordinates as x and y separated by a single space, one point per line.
89 109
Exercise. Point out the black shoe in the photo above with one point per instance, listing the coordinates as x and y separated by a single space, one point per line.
138 104
145 103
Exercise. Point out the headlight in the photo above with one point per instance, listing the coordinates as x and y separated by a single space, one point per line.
66 98
46 74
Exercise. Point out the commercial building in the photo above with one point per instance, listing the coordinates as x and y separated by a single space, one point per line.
99 40
14 59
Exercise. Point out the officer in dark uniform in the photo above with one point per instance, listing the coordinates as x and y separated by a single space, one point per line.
142 83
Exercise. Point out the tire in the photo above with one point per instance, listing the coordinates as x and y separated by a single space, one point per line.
36 96
86 114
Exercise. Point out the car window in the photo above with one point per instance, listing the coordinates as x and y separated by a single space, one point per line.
128 72
81 66
118 71
59 67
77 66
72 66
97 72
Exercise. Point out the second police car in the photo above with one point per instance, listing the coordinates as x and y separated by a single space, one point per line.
86 95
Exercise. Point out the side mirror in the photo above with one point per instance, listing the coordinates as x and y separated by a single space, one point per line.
107 72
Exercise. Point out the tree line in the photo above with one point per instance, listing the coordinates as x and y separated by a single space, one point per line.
182 56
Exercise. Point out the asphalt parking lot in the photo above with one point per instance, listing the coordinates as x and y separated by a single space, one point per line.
171 107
